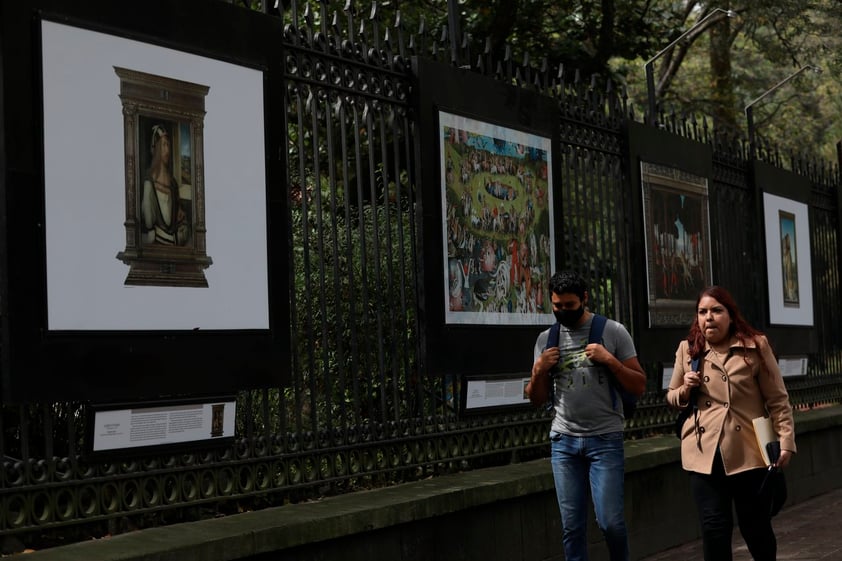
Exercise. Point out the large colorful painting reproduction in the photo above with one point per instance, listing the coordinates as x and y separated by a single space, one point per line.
675 206
497 223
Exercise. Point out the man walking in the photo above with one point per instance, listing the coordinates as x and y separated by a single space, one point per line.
581 380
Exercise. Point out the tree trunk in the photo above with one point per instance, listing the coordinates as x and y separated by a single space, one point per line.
723 100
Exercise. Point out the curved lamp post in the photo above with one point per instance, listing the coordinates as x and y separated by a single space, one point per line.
648 66
749 108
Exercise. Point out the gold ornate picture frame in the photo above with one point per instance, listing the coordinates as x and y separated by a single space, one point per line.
163 122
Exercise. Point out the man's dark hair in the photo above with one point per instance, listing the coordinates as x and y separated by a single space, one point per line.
568 282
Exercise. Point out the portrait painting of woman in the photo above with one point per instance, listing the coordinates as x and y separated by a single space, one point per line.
164 190
164 214
789 261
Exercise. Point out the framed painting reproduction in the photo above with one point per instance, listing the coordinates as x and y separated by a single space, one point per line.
677 234
166 233
489 221
672 234
143 218
788 261
498 238
172 144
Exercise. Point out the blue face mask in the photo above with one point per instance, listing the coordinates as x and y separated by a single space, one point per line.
569 318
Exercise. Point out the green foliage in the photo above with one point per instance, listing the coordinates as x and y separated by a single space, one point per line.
769 40
354 326
715 71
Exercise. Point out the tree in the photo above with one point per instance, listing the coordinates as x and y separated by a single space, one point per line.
721 68
723 99
715 71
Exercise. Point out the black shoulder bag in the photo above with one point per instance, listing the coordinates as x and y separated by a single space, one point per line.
773 489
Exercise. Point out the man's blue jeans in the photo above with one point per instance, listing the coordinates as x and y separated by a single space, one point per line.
600 461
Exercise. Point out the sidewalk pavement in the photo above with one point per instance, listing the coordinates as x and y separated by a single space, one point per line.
807 531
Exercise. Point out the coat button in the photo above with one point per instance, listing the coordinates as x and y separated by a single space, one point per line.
725 405
707 403
707 378
738 428
702 429
724 378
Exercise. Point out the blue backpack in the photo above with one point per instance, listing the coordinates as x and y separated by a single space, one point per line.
595 336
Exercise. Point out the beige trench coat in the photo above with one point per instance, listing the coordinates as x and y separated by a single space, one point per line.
733 393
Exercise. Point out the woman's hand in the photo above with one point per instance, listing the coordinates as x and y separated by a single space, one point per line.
691 380
784 459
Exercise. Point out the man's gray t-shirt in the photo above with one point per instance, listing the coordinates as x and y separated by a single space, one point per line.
583 397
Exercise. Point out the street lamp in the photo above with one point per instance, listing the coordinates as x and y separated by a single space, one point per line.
749 108
650 76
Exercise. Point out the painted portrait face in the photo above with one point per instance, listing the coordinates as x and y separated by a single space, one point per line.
161 146
164 146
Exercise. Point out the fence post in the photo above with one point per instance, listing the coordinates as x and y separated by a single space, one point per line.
455 32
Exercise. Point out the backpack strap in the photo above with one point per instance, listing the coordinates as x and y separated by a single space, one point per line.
597 328
552 339
595 336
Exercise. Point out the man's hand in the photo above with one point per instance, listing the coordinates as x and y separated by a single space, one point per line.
629 373
539 387
597 353
548 359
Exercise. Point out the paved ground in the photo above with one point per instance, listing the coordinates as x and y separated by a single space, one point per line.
808 531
